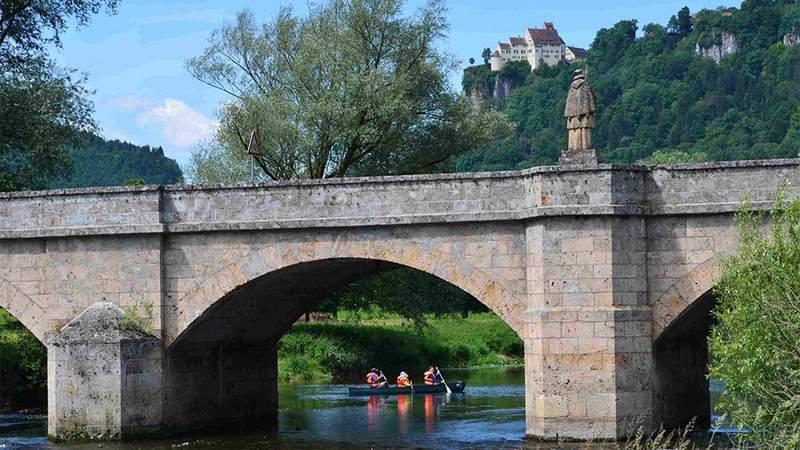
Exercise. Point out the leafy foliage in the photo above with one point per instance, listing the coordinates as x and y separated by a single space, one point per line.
23 365
672 157
342 350
480 78
43 108
486 55
515 71
355 87
655 93
408 292
755 346
27 27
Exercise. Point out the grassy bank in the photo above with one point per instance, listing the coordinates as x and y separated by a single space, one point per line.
344 350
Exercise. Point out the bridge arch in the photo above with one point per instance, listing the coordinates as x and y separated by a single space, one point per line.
24 309
682 296
682 321
242 281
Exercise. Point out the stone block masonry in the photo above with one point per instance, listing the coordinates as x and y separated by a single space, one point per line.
103 377
605 272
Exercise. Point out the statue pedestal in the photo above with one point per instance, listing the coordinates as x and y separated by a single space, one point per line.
583 157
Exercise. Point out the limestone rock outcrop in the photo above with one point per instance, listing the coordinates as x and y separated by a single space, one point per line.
728 45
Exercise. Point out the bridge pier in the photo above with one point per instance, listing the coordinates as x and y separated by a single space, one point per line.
588 329
225 385
103 377
108 379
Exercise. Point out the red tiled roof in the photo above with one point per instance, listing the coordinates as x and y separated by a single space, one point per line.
504 45
495 54
578 52
517 41
545 36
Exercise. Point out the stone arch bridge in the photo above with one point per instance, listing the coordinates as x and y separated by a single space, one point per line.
605 272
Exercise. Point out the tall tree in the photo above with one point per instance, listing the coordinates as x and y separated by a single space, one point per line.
27 27
43 108
681 25
43 111
356 87
486 55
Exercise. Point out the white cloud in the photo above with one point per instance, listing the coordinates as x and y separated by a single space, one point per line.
178 123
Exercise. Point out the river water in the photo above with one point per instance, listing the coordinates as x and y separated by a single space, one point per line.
490 414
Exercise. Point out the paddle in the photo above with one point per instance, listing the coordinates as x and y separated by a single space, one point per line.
443 381
385 379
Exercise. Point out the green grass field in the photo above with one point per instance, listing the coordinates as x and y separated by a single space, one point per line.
343 350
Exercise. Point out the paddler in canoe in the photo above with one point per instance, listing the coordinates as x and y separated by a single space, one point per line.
434 383
376 379
404 381
432 376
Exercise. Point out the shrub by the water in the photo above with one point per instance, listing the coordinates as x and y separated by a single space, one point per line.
23 365
755 346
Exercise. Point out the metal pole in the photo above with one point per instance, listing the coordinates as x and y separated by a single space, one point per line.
253 169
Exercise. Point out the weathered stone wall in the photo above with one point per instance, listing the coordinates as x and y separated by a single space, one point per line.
46 282
588 327
590 266
103 376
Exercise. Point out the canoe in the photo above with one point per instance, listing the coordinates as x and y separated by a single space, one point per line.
456 387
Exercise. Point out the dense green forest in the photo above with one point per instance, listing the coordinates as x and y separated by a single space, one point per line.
657 94
99 162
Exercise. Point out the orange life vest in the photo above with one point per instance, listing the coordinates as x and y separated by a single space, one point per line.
373 379
429 377
403 382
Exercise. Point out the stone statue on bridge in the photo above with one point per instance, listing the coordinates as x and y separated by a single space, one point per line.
579 112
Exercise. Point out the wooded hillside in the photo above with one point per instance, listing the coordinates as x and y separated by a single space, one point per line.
656 93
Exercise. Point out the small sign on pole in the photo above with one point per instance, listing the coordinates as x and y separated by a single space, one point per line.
254 151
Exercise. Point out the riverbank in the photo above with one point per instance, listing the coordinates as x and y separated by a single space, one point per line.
345 350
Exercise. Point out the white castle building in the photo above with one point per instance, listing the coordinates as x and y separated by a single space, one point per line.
538 46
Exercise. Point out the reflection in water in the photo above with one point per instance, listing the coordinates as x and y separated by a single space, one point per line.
490 414
375 405
404 405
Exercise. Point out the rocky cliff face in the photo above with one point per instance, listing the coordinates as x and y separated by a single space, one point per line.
791 39
728 46
502 88
499 92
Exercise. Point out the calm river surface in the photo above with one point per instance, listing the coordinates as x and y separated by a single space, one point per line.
490 414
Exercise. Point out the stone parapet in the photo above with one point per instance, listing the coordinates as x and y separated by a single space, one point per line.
400 200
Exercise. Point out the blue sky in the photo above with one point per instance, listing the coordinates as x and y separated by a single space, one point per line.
135 59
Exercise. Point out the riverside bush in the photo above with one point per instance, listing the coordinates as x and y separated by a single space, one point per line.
23 365
755 346
322 351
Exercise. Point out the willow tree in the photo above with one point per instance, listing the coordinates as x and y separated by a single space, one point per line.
355 87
